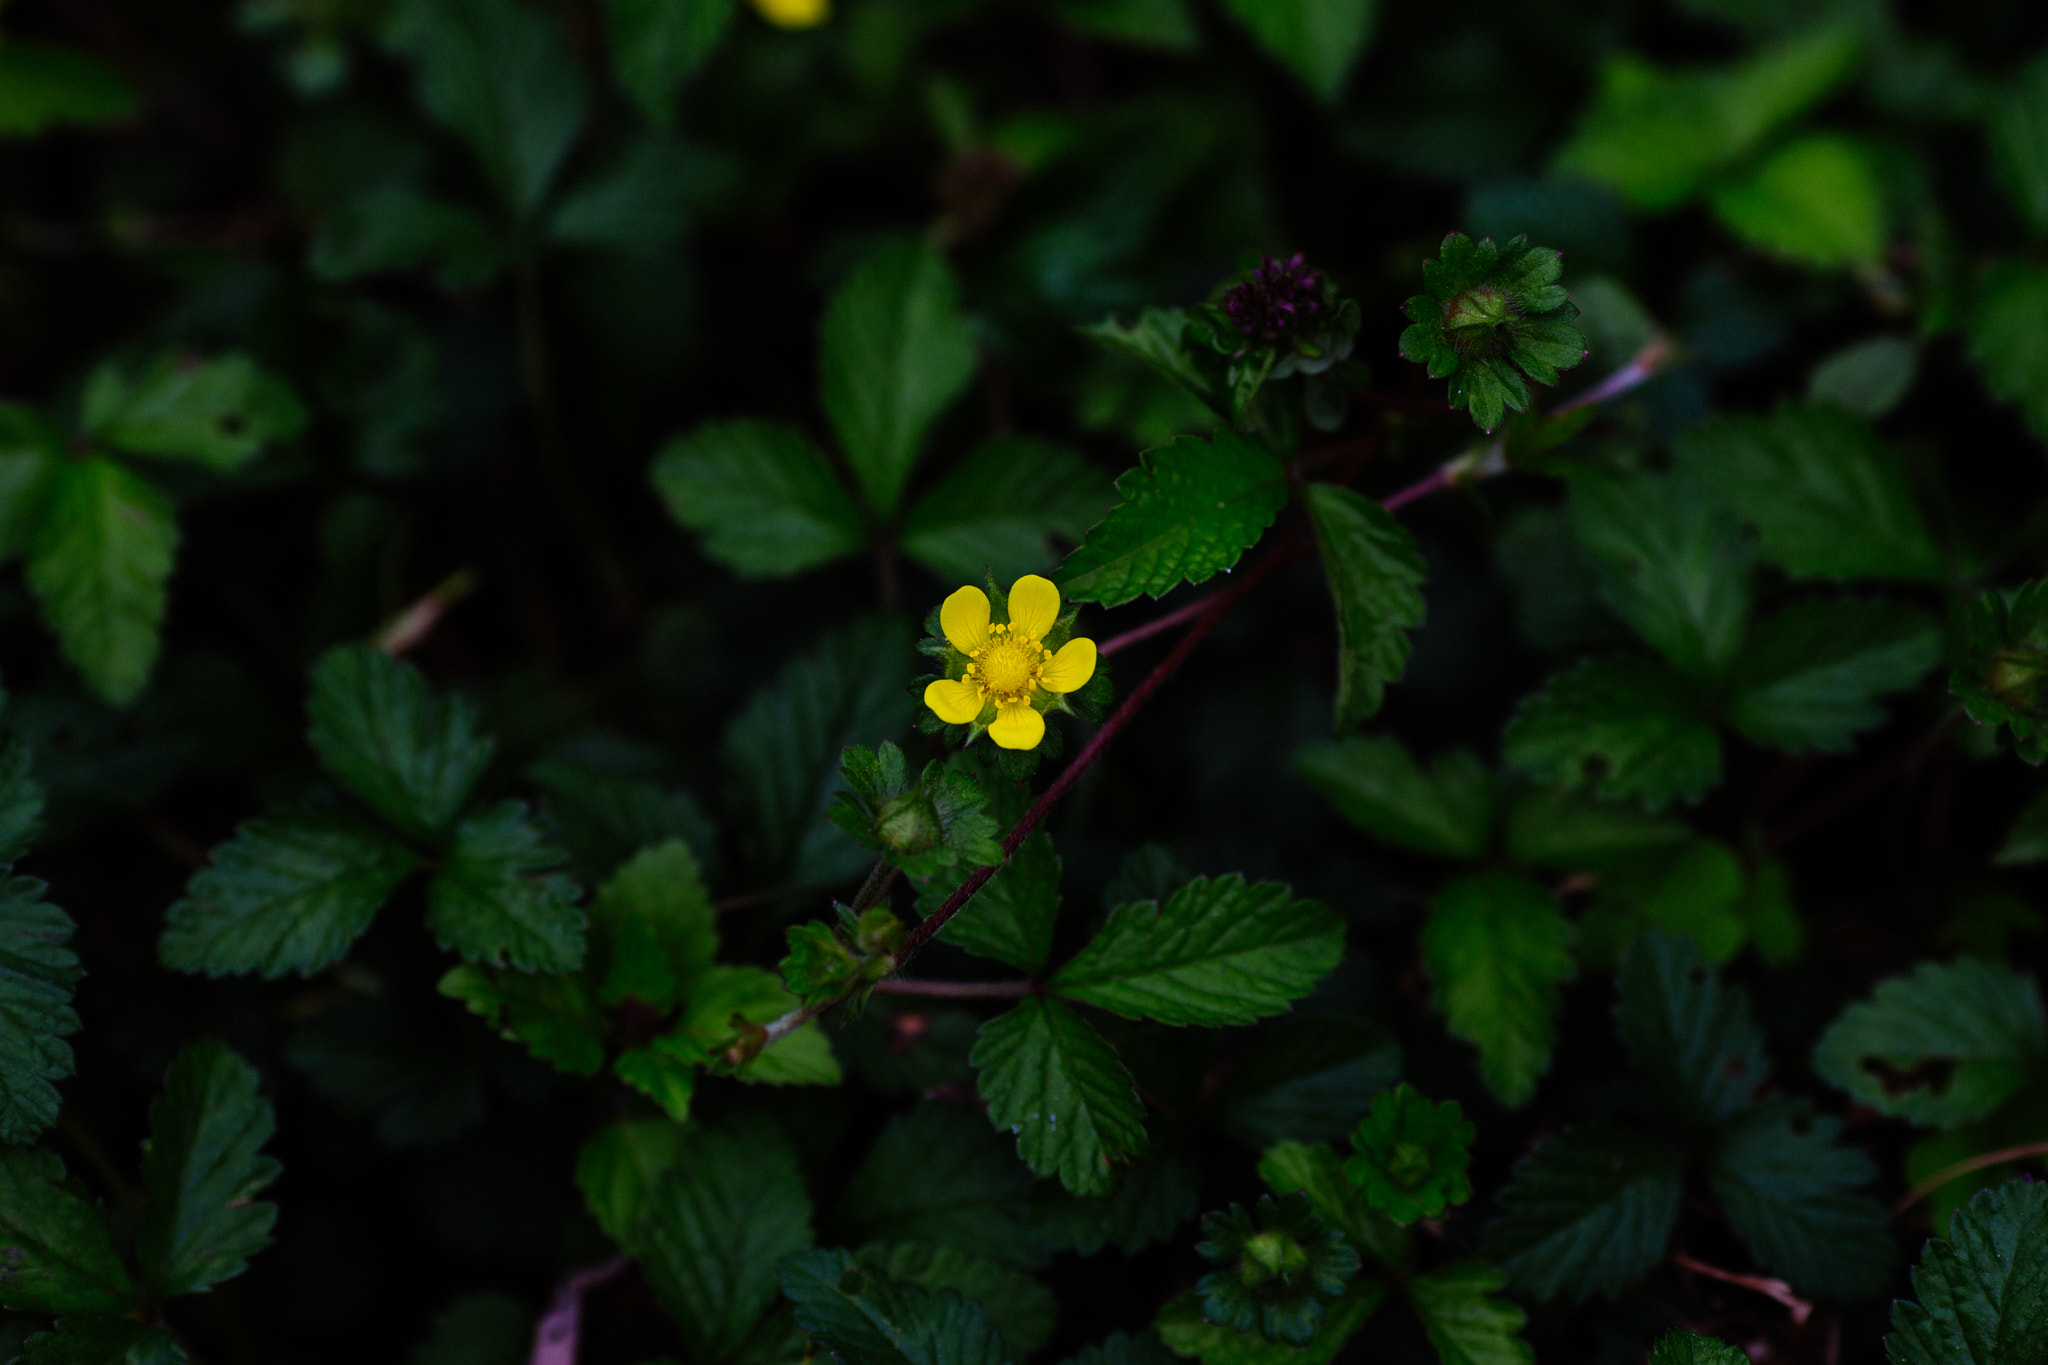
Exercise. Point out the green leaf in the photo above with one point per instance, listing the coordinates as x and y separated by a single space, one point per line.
1022 1311
1789 1189
731 1208
98 567
1671 562
1058 1085
619 1167
605 818
1181 1326
58 1247
102 1341
1827 498
1467 1321
655 922
1810 676
757 996
1868 377
2027 841
2019 141
1568 833
997 514
216 413
1624 727
1376 785
862 1317
1588 1212
1376 576
1690 1348
1983 1293
657 45
383 733
1817 201
1943 1046
38 972
31 450
1011 918
894 352
1155 1195
2001 662
761 494
201 1172
496 899
1124 1348
1164 24
556 1017
1159 339
396 227
1309 1080
1410 1155
2009 340
490 1328
42 85
1189 511
941 1174
1497 949
1318 1172
1693 1039
638 203
1318 40
504 79
940 820
1695 890
1219 952
284 895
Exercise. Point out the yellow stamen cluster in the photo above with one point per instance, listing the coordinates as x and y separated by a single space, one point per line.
1008 665
1007 668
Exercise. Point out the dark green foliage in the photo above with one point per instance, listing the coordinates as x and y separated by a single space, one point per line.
59 1244
862 1317
1409 1155
380 730
1622 727
1692 1039
1057 1083
1491 316
1999 674
1790 1190
1276 1273
1376 577
1982 1294
1496 948
1588 1212
939 821
38 971
1690 1348
201 1171
1376 785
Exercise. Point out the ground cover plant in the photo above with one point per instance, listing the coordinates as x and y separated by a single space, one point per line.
958 682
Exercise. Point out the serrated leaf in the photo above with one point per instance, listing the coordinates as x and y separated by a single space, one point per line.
1011 918
284 895
1376 785
1624 727
497 898
862 1317
201 1171
2001 660
656 45
762 496
1376 575
1219 952
98 566
618 1168
1317 1172
1181 1326
22 799
1022 1311
1827 498
1318 40
999 511
894 352
1309 1080
1943 1046
556 1017
655 922
1156 1195
731 1208
412 755
1189 510
1790 1190
1809 678
1159 339
1671 563
216 413
1693 1039
58 1247
2009 339
1690 1348
1588 1212
102 1341
1467 1321
1497 949
941 1174
1059 1086
1817 200
38 972
1983 1293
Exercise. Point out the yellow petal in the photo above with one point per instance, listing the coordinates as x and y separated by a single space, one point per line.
964 618
794 13
1071 668
955 702
1034 606
1018 727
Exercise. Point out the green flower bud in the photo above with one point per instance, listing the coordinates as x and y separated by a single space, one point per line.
1491 316
1275 1274
1411 1155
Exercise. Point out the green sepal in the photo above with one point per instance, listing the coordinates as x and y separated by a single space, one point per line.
1276 1273
2001 677
1410 1155
939 821
828 963
1492 316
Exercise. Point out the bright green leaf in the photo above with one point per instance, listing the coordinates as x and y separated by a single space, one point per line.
1317 1171
201 1172
1375 574
216 413
98 568
619 1167
2008 331
1817 201
1497 949
763 496
1468 1321
657 926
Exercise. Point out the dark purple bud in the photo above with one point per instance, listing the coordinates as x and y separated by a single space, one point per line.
1280 298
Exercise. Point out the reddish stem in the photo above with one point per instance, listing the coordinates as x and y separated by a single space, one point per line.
1963 1168
556 1337
959 990
1800 1309
1154 627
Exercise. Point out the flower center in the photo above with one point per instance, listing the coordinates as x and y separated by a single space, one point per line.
1007 668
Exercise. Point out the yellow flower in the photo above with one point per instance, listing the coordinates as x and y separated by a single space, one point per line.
794 13
1008 664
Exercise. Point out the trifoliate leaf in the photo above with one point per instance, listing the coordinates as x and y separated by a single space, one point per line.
1818 200
383 733
1059 1086
1376 785
1375 574
38 971
894 351
1809 678
1983 1293
1693 1039
1308 1080
1317 1171
556 1017
1155 1195
2009 339
1468 1321
284 895
59 1247
201 1171
731 1207
1318 40
1409 1155
1568 833
1497 949
1011 918
2001 676
1491 316
654 927
656 45
940 820
1188 511
998 513
1671 562
1827 498
762 496
102 1341
2019 141
1623 727
619 1167
1943 1046
1022 1310
1219 952
863 1317
1690 1348
216 413
1186 1332
1790 1190
98 566
1869 377
1277 1273
1588 1212
498 900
